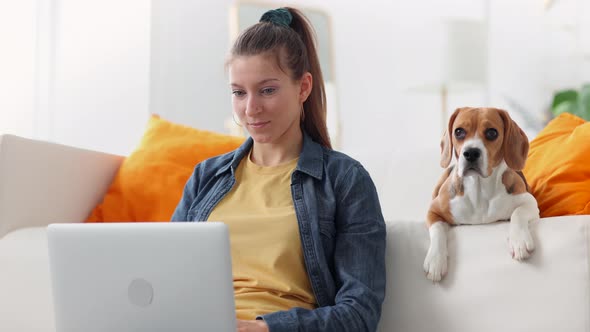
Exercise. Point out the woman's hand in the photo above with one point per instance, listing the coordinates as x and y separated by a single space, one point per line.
252 326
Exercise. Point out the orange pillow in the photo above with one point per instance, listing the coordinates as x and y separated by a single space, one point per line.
149 184
558 167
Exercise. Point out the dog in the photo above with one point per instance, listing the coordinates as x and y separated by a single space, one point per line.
484 184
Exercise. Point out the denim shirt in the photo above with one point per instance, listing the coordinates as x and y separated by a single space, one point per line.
341 228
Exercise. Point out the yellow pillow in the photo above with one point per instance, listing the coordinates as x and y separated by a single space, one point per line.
558 167
149 184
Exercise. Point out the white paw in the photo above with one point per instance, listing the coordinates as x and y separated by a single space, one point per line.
520 243
435 264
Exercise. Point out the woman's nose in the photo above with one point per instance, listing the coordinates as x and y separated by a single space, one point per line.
252 106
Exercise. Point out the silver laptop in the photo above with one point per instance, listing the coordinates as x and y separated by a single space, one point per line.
127 277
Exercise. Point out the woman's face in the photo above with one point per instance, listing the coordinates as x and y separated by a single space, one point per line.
265 99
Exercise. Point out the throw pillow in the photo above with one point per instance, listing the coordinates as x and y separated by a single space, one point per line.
149 184
558 167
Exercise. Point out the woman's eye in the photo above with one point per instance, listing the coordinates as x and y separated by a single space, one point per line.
491 134
460 133
268 91
238 93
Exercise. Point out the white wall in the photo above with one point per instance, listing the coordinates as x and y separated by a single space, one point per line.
17 66
190 42
382 50
101 91
114 62
533 55
375 78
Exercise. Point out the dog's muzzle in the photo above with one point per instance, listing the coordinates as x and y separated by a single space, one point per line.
472 155
472 161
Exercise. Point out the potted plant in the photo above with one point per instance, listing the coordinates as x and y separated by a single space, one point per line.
576 102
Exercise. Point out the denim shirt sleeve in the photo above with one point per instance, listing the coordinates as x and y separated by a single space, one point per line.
188 197
359 264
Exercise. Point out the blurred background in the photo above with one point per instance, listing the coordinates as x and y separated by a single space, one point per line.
88 73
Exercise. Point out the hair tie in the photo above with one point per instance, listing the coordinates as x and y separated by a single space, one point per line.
280 16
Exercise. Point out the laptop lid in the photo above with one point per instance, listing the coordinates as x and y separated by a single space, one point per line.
141 277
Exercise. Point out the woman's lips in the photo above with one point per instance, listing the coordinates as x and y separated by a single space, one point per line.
258 124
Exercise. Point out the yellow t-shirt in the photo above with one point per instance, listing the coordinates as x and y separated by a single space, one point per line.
267 259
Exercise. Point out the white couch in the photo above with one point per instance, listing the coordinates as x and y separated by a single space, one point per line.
485 290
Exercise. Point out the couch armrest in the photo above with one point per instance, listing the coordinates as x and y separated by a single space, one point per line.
42 182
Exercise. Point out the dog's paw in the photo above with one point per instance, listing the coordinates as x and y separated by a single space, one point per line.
521 244
435 264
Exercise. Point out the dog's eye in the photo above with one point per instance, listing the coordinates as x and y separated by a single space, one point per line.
460 133
491 134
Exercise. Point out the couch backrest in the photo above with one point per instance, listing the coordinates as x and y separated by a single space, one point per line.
487 290
404 179
42 182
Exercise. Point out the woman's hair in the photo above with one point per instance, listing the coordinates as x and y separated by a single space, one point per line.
287 34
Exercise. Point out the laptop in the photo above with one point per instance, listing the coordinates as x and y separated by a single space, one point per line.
127 277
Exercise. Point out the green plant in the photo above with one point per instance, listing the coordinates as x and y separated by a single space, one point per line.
572 101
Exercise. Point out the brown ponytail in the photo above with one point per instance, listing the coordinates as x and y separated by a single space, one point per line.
294 47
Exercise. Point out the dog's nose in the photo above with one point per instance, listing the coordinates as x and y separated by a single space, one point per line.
472 154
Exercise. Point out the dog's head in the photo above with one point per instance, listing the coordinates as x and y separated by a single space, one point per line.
480 139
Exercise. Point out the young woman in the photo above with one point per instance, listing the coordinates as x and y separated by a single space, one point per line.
306 229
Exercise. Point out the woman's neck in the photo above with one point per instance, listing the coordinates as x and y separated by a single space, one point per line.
277 153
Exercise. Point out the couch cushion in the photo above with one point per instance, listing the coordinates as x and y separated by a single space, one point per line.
25 290
486 290
149 184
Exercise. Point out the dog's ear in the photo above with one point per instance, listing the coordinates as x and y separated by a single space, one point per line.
515 144
446 142
446 145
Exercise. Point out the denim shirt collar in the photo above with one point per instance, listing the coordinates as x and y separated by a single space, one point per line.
311 159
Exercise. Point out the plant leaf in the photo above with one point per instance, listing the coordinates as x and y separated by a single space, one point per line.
563 96
565 107
584 102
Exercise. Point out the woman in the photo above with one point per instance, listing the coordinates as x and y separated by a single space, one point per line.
306 229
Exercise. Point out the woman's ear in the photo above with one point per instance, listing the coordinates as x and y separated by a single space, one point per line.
305 85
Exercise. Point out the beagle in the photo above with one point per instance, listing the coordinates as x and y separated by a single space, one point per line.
483 185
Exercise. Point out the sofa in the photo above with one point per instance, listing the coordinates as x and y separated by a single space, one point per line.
485 290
